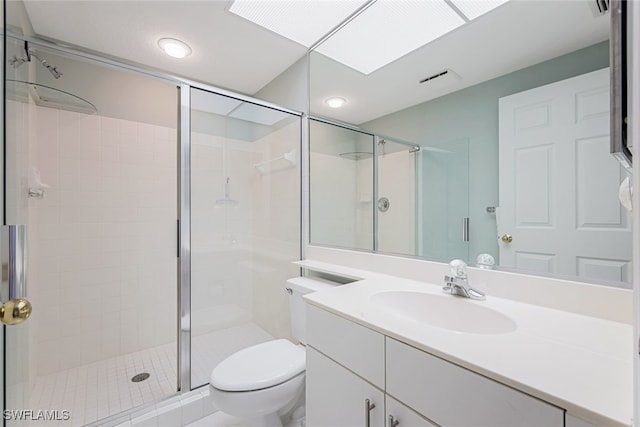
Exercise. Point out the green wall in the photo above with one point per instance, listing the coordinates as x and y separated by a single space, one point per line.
473 113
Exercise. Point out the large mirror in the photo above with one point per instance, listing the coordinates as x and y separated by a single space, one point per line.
503 121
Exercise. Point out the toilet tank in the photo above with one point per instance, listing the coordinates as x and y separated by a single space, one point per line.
296 288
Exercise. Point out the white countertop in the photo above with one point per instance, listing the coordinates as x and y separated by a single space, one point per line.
580 363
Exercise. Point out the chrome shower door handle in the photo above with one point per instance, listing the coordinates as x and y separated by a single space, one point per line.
14 262
368 407
465 229
15 308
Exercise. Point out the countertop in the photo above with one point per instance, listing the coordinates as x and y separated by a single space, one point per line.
580 363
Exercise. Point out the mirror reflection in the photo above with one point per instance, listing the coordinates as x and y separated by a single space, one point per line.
513 133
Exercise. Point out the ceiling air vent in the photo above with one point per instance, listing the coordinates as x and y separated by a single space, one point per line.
600 7
445 73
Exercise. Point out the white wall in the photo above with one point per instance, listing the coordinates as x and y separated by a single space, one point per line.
104 269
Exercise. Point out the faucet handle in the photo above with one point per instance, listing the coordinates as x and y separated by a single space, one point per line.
458 268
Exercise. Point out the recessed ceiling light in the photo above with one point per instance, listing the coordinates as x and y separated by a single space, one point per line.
335 102
303 21
366 46
174 47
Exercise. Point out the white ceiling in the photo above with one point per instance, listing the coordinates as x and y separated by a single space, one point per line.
233 53
228 51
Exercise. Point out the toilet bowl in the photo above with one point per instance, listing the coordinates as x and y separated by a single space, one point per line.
261 382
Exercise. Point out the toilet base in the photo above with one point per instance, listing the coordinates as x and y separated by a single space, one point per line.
269 420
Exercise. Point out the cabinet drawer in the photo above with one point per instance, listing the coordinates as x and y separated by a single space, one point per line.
453 396
337 338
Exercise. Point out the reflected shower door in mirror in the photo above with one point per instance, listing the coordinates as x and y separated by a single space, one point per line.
444 196
423 199
245 225
448 90
341 186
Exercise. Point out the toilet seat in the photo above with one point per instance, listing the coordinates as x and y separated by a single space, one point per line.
260 366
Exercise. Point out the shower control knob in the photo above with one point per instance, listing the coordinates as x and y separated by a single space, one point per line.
383 204
15 311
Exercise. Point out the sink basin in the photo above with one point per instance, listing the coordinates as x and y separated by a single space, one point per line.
443 311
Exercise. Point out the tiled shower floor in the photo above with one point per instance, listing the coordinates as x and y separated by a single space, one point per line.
98 390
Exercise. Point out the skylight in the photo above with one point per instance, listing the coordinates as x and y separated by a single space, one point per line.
382 32
367 45
303 21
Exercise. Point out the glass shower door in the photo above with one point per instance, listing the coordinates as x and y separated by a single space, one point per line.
245 225
97 191
445 201
18 332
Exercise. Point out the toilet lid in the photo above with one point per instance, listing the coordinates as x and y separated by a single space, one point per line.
259 366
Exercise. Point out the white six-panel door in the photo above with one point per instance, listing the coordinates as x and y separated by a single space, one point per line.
559 184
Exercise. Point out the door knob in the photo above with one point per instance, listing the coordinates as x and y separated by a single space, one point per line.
15 311
507 238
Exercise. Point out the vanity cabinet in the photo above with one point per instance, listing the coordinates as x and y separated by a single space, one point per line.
336 397
348 363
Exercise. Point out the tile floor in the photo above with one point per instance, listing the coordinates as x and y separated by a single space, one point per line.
98 390
220 419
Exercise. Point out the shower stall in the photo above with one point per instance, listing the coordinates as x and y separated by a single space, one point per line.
382 194
365 189
155 221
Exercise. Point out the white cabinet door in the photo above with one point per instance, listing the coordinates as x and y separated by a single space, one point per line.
404 416
337 397
559 184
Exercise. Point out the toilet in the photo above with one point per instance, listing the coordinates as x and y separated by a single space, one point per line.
261 382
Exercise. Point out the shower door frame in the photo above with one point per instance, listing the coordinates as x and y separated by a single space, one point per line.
183 226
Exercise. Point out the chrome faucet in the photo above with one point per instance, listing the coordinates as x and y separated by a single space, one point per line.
457 283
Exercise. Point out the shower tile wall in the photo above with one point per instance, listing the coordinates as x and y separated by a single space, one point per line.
332 212
397 181
222 234
276 225
103 266
344 218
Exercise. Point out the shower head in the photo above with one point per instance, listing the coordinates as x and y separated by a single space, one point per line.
16 62
53 70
